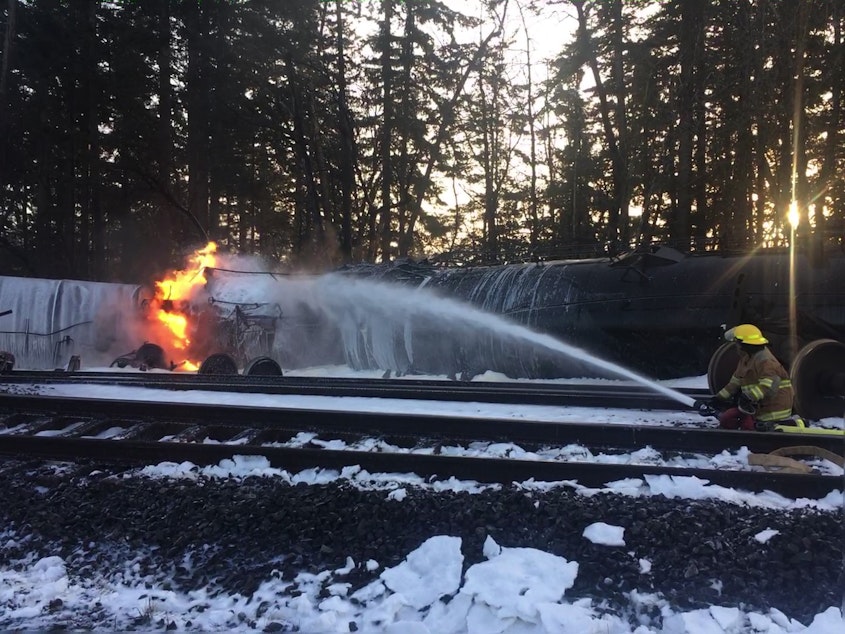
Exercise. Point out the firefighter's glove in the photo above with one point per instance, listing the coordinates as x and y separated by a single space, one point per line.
711 406
705 408
746 405
720 404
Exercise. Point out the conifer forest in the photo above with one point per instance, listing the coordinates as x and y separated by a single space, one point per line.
318 133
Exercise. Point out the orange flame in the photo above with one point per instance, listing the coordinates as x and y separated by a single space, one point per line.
169 306
181 284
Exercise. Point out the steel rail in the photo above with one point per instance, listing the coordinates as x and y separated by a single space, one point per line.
525 393
67 428
592 435
484 470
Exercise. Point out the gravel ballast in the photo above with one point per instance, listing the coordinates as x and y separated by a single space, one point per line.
236 532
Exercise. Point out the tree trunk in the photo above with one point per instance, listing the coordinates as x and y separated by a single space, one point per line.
488 164
620 175
313 226
197 99
8 47
529 109
164 133
826 181
700 217
347 158
785 72
386 132
622 186
403 126
689 45
93 236
799 121
218 137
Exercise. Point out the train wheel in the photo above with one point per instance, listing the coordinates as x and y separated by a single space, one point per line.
818 378
150 355
263 366
219 363
722 366
7 362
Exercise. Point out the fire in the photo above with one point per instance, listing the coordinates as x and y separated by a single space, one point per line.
181 284
178 325
171 309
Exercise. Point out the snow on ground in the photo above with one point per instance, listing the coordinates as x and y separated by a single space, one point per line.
515 591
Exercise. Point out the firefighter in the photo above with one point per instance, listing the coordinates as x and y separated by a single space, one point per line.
759 392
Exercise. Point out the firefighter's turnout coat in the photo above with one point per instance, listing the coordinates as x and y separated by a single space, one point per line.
763 379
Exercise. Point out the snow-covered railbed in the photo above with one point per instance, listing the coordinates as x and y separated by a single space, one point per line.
243 546
570 453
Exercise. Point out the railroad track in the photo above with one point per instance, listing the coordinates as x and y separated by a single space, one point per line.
621 396
132 432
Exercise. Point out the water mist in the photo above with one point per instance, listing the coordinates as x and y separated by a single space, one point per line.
405 329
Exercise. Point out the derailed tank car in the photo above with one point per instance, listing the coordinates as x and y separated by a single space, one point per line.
657 311
50 321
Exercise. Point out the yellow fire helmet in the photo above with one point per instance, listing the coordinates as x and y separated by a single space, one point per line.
746 333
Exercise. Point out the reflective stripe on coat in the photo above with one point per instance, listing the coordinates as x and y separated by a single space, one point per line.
763 379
